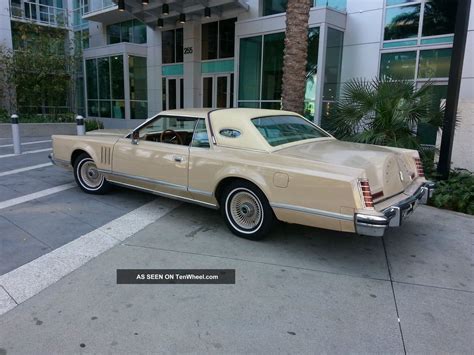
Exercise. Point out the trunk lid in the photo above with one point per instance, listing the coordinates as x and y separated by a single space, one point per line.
389 172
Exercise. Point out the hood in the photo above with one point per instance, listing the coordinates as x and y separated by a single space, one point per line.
389 170
109 132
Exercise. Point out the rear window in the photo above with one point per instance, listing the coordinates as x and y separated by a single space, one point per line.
278 130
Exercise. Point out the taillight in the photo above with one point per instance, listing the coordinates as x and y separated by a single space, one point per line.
419 167
366 194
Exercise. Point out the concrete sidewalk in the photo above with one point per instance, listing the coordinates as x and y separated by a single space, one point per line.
302 290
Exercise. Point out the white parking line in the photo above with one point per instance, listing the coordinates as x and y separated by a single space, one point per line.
27 152
35 195
32 278
10 172
26 143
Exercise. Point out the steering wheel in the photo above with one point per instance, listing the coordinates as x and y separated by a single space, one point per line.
175 137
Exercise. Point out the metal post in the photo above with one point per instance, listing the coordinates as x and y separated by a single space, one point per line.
16 134
81 129
454 83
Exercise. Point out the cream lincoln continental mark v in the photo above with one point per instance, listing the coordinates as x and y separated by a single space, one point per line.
256 166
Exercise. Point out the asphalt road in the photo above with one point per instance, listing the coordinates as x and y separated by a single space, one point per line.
302 290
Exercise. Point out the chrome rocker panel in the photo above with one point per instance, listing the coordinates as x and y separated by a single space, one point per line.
393 216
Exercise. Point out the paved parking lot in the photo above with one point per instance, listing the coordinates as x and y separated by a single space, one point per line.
301 290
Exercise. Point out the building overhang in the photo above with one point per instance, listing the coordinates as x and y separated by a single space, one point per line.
192 9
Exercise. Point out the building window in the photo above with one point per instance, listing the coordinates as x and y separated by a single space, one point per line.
261 71
402 22
333 4
332 72
132 31
271 7
138 87
218 39
399 65
407 25
439 17
172 46
434 63
105 87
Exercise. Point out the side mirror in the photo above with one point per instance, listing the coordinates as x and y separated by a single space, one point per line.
135 137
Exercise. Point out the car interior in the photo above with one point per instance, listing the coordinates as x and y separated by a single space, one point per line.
176 130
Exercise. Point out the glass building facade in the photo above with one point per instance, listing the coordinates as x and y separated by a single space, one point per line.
417 42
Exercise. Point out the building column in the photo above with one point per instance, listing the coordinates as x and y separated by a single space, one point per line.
154 75
192 64
5 26
126 87
321 69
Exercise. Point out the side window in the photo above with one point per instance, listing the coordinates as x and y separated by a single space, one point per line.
200 138
169 129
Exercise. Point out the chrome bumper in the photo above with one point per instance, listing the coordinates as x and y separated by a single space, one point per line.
393 216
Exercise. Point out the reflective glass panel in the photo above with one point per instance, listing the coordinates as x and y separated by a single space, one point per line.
439 17
209 40
271 7
272 74
399 65
333 64
167 49
104 78
179 45
117 80
249 68
226 38
402 22
434 63
138 78
91 78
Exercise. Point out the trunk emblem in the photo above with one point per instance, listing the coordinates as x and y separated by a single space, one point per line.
401 175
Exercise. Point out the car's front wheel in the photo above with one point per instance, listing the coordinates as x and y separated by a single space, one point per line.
246 210
88 177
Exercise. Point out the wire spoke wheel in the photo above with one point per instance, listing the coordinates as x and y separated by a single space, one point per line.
245 210
90 175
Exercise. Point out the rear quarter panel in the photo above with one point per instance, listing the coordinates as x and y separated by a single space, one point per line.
284 181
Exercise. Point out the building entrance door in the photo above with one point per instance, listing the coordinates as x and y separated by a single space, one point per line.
173 93
218 90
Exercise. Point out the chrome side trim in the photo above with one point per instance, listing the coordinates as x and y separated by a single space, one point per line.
344 217
164 194
141 178
200 192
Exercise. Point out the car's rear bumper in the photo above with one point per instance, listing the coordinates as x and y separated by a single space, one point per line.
392 216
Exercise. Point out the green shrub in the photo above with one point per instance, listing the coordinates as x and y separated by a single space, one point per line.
38 118
455 193
92 125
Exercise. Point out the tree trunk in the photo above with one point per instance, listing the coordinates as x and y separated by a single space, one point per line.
295 55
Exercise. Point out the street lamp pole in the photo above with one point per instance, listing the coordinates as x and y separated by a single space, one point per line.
454 83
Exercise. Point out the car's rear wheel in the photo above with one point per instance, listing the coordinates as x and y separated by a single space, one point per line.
246 210
88 177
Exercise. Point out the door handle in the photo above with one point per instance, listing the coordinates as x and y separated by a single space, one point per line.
178 159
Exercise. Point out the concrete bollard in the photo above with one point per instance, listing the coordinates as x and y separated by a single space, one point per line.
16 134
81 128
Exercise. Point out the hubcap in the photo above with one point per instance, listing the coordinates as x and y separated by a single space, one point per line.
246 210
90 175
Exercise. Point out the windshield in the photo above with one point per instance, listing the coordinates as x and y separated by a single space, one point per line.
278 130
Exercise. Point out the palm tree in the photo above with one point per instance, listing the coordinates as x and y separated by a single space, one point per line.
295 55
384 112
